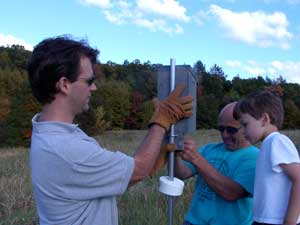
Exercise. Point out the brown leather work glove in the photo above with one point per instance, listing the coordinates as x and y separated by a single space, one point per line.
163 157
173 108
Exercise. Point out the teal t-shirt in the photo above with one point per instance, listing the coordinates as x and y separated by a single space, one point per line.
209 208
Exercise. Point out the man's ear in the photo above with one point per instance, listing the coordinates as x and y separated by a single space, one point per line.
63 85
265 119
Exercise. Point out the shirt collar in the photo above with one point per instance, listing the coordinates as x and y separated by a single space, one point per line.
48 126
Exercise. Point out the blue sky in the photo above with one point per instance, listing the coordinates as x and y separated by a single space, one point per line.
248 38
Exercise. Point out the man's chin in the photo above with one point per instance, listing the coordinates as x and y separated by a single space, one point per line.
230 146
85 108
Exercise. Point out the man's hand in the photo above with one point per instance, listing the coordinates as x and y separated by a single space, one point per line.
162 158
172 109
218 182
190 152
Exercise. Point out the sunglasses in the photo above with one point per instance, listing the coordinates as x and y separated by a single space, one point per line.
89 81
229 130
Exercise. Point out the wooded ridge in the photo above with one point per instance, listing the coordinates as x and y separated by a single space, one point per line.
124 94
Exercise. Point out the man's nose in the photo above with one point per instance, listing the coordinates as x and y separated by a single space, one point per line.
93 87
225 133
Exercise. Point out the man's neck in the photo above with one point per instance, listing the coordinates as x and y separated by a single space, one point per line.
56 112
245 145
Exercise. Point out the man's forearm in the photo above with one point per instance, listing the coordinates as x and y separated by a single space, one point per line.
180 170
147 153
222 185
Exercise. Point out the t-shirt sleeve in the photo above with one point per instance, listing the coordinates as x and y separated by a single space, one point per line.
282 151
245 172
97 172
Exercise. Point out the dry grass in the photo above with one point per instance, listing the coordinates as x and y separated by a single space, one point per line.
142 203
16 201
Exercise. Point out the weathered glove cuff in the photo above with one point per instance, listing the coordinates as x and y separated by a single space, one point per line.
155 120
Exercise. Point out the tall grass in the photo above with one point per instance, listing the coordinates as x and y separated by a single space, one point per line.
16 201
141 204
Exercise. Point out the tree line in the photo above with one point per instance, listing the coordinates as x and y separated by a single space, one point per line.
123 96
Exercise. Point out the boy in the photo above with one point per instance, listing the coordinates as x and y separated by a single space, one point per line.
277 176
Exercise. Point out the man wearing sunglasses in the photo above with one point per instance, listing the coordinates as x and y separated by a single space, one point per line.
76 181
225 175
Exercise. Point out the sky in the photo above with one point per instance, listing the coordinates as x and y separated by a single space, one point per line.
245 38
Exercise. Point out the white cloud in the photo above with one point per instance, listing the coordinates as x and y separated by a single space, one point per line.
293 2
178 29
252 70
233 63
114 18
8 40
270 1
154 15
122 14
255 28
289 70
208 1
103 4
159 25
200 17
290 2
168 8
284 46
277 65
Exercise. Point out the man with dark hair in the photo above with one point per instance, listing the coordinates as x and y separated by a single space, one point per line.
225 175
75 180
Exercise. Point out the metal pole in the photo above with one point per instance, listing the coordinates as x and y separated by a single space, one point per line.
171 141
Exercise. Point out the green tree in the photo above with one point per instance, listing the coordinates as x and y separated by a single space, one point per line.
18 56
291 91
100 123
4 59
292 115
142 78
18 124
213 85
147 111
135 117
199 70
207 111
217 70
245 86
114 97
11 81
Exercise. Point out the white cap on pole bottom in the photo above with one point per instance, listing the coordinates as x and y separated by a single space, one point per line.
170 187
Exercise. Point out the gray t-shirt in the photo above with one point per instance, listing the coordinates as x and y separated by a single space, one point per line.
75 181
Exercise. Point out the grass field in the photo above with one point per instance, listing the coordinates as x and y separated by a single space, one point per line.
142 204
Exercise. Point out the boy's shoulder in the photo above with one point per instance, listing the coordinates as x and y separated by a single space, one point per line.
277 136
277 140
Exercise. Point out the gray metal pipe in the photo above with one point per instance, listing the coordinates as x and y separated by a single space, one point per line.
171 141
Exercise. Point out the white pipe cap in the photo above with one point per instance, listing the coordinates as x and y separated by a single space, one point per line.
170 187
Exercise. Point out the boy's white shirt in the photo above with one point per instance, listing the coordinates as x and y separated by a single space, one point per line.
272 187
